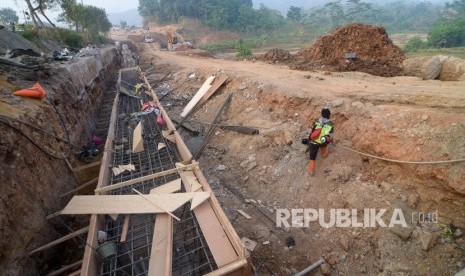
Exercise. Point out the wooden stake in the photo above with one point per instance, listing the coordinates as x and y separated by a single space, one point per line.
63 269
93 181
124 232
90 165
60 240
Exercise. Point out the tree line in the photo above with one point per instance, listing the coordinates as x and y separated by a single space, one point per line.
90 21
439 21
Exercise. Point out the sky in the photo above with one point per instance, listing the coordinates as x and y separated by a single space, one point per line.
122 5
108 5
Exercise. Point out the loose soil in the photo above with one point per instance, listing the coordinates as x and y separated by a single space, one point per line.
401 118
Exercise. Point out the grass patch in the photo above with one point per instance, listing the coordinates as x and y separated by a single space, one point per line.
455 52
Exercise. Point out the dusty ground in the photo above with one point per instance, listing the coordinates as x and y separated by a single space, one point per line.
401 118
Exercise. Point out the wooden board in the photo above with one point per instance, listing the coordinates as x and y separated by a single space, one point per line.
138 141
244 214
169 135
227 269
162 246
127 204
216 85
91 182
198 96
124 232
197 200
168 188
218 242
145 178
60 240
63 269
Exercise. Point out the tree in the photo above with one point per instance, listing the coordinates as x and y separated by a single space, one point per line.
8 15
41 6
449 30
294 14
123 24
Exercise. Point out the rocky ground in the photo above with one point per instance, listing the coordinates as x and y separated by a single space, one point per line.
402 118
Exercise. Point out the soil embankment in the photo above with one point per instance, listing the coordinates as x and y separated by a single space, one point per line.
33 171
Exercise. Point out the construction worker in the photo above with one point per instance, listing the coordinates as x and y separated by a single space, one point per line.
320 136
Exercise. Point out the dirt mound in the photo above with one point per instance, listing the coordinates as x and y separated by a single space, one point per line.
354 47
278 56
184 47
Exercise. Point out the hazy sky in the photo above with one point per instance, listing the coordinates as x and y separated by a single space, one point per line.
123 5
108 5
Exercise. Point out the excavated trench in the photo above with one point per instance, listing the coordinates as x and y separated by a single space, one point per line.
36 138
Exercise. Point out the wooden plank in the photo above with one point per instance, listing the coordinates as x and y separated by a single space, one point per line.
232 267
88 166
124 232
169 135
227 226
54 215
93 181
196 201
161 146
127 204
162 246
218 242
156 204
168 188
216 85
75 273
145 178
60 240
198 96
63 269
247 216
138 141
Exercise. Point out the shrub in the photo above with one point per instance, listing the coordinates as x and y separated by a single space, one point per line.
414 44
243 50
70 38
28 32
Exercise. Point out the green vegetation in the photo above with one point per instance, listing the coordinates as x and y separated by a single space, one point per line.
415 44
91 21
455 52
28 32
70 38
8 15
243 50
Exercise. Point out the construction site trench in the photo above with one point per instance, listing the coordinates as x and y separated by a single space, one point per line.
398 118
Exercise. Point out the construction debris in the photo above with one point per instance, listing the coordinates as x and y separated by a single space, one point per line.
122 168
249 244
244 214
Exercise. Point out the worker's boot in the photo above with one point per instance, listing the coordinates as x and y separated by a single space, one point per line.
324 152
311 167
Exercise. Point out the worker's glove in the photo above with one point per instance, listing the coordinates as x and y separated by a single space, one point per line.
326 139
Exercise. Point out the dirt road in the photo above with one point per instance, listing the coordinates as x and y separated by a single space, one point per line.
354 85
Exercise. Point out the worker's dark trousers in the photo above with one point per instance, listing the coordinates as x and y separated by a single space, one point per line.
313 150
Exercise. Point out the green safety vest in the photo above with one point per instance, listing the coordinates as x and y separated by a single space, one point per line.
326 129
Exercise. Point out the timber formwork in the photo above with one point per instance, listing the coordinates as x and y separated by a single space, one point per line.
203 242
